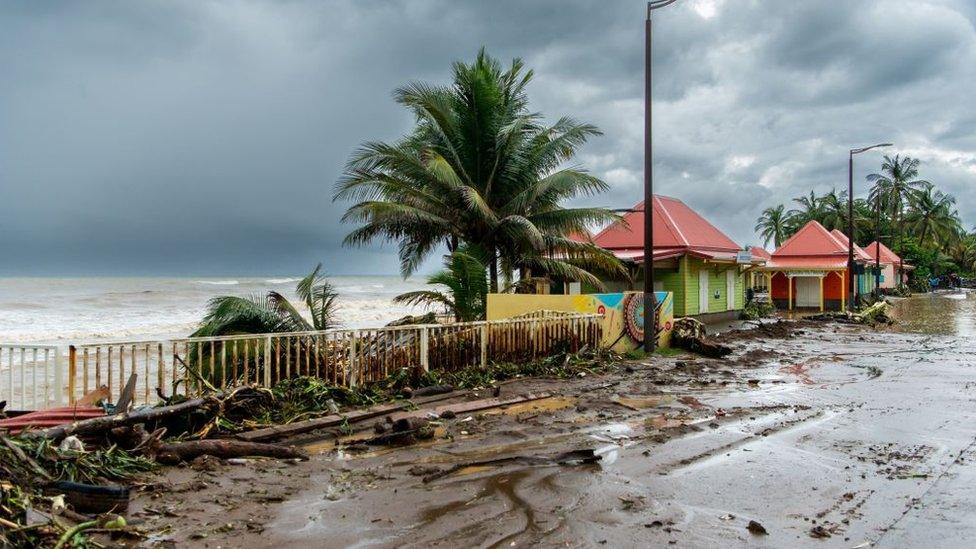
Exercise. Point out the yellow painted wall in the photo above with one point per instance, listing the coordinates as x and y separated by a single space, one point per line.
616 332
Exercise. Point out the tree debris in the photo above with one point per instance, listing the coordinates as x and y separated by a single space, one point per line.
689 334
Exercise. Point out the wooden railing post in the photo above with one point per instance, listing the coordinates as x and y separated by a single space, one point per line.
484 344
425 348
266 375
353 353
72 366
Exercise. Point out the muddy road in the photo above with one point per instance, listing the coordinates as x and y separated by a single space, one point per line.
817 434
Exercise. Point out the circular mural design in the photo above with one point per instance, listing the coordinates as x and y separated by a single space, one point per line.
634 316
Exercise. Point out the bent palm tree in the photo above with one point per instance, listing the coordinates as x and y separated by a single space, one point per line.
465 278
481 169
273 313
772 225
229 315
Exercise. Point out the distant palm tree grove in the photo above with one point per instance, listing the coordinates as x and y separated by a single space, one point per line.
914 219
483 172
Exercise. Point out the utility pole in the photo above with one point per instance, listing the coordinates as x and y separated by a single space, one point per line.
650 301
850 221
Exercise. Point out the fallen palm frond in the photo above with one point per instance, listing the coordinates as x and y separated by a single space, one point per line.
23 486
873 315
559 365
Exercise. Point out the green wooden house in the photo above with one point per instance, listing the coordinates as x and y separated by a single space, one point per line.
704 269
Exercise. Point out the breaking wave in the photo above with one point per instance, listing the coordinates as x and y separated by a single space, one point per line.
281 280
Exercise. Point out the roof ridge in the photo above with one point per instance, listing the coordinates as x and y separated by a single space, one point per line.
680 235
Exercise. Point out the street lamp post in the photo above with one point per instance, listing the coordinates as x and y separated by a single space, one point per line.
877 246
850 220
650 305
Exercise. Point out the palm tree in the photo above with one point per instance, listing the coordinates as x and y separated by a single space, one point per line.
892 187
963 252
931 216
229 315
833 210
772 225
273 313
466 285
809 210
479 168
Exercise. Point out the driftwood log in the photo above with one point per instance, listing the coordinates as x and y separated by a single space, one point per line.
176 452
689 334
231 404
103 424
429 391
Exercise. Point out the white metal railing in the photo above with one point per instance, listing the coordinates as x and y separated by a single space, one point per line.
32 375
188 366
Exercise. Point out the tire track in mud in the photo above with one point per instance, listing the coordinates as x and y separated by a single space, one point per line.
919 502
701 459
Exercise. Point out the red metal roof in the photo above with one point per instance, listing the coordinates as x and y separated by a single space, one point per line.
811 240
52 417
677 230
887 256
807 262
814 247
760 252
859 252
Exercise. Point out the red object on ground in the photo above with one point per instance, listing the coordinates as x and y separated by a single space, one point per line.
52 417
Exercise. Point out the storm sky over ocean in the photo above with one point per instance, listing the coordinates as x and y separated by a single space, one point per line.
204 137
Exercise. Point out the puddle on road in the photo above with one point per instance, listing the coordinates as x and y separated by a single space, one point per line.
643 403
546 405
936 314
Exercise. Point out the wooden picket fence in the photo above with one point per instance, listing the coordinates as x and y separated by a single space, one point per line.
342 357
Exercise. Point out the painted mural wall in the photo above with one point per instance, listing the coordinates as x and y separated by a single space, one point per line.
623 313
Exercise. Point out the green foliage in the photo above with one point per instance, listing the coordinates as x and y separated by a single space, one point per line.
932 217
928 262
481 169
22 487
754 310
466 284
233 315
910 215
772 225
301 397
228 315
558 365
304 397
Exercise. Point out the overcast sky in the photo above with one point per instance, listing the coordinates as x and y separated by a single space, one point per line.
193 137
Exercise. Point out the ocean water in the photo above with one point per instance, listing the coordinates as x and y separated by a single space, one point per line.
70 310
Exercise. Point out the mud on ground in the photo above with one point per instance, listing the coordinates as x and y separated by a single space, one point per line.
809 432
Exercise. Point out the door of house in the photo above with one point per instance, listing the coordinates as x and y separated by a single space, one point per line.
730 289
807 291
703 291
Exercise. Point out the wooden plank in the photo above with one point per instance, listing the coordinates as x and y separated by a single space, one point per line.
127 395
473 406
278 431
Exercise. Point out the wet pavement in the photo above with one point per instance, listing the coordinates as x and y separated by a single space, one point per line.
831 436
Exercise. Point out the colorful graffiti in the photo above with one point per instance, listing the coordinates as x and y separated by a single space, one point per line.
623 313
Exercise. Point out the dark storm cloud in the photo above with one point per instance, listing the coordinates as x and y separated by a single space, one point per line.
205 137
